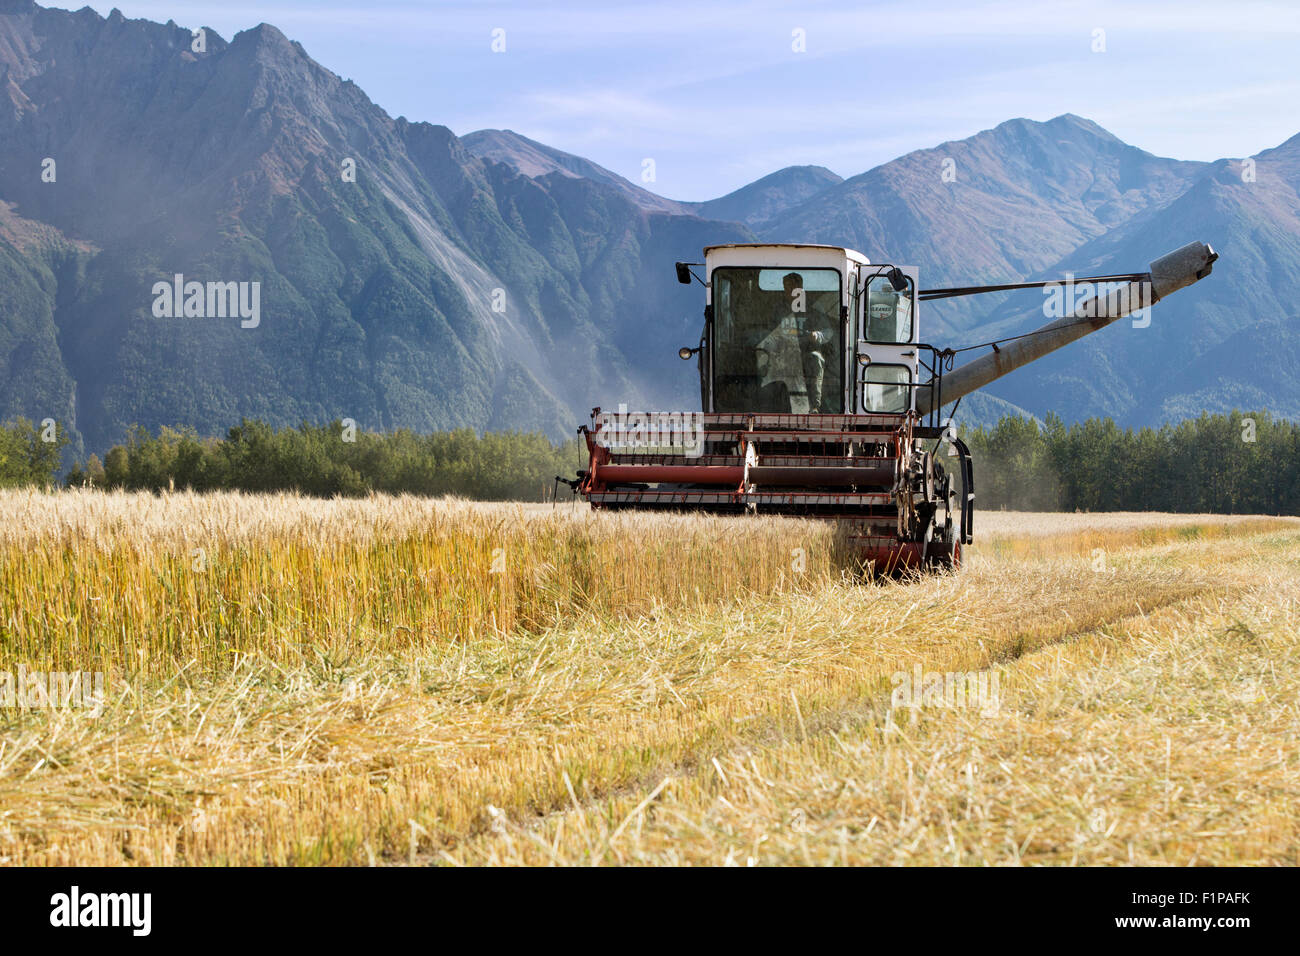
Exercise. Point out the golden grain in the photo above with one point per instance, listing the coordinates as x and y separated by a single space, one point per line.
397 680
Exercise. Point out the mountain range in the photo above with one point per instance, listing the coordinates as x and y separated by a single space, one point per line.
413 278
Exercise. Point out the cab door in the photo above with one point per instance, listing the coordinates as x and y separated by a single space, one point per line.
886 331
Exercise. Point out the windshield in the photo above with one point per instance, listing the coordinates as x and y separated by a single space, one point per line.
777 340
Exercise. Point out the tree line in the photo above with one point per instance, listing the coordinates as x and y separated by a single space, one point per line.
1235 463
334 459
30 454
1240 463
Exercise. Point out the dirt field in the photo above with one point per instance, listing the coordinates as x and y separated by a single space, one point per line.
397 680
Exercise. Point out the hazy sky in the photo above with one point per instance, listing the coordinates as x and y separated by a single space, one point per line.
717 93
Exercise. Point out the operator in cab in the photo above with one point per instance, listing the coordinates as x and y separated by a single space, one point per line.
793 353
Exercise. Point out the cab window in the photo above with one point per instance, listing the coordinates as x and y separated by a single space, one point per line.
778 342
885 389
886 314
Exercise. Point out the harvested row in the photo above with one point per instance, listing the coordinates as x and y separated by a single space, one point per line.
1169 738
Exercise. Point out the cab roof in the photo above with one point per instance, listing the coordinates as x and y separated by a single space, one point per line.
842 250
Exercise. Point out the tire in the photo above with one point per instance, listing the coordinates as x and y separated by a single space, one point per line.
945 556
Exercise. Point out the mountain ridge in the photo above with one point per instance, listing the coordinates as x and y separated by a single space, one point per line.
491 281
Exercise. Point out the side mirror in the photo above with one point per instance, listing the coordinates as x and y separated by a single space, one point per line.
683 273
897 279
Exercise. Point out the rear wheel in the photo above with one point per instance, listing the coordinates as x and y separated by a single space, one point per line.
945 551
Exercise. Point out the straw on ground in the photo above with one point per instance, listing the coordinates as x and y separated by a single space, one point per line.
397 680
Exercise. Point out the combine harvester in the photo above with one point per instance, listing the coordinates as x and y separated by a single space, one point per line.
820 400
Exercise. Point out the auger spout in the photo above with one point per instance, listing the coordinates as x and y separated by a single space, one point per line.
1167 275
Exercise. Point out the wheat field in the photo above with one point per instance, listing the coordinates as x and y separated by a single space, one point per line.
397 680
